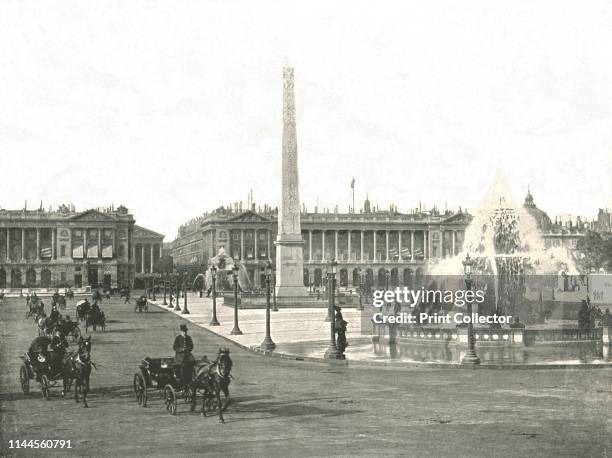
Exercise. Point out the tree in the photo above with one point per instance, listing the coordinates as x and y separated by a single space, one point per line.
596 251
165 265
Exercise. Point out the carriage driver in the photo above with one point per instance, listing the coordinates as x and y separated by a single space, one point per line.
54 316
184 360
59 344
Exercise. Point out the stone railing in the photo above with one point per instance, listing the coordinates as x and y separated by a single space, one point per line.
491 337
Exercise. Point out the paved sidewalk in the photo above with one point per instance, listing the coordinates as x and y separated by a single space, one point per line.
298 331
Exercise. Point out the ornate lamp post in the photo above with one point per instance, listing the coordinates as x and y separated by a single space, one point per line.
387 276
332 351
153 287
362 275
274 307
185 309
213 274
164 279
470 356
236 331
268 344
177 288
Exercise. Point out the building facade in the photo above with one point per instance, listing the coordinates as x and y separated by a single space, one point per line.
367 243
46 249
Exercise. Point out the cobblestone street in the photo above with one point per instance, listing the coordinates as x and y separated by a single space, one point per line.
283 408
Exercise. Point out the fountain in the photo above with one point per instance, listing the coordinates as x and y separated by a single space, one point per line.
511 261
513 268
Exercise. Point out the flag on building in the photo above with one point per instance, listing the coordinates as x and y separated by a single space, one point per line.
45 252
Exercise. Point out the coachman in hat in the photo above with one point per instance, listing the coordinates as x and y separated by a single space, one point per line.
184 360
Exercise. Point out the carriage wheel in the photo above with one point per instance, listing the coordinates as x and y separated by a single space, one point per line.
140 390
170 399
44 386
24 379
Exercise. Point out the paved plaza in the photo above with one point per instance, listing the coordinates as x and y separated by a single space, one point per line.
289 408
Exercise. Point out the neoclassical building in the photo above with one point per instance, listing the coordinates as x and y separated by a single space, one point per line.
96 247
371 241
368 243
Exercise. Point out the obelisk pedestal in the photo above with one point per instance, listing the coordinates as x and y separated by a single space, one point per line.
289 242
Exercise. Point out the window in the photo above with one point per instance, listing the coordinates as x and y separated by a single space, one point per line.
62 276
262 236
62 251
235 236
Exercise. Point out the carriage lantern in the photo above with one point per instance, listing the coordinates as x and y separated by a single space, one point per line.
236 330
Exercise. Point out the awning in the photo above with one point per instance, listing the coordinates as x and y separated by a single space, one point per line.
77 251
107 251
92 251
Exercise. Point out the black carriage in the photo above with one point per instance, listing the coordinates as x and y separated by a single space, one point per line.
60 301
44 374
142 304
161 374
95 319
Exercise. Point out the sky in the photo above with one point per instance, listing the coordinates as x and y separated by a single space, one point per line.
175 108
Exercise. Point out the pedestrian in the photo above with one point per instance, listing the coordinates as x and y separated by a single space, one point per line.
127 296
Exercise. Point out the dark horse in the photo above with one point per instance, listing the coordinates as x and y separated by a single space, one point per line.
77 368
212 379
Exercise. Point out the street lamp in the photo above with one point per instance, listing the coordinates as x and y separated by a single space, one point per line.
165 279
387 276
153 283
274 307
236 331
185 309
470 356
213 274
268 344
177 288
332 351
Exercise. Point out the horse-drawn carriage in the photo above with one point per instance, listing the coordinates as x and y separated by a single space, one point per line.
71 367
59 300
42 371
209 379
95 318
142 304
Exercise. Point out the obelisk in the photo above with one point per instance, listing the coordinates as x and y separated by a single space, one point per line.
289 242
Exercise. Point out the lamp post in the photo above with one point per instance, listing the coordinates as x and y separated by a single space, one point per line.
387 276
236 331
332 351
274 307
185 309
470 356
268 344
153 283
177 288
164 279
213 274
362 275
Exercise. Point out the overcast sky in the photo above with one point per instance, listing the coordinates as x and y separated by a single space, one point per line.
174 108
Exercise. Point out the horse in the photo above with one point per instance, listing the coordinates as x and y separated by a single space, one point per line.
212 379
82 310
95 319
77 368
